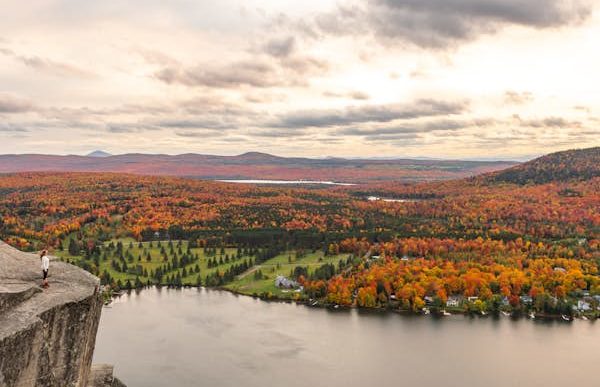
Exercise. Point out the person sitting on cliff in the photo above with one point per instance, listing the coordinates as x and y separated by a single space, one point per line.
45 266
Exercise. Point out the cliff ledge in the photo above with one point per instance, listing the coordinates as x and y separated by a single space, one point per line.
47 336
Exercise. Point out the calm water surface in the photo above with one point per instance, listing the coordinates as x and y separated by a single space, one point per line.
212 338
254 181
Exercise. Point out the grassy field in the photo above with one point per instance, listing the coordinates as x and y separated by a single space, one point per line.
136 255
283 264
144 259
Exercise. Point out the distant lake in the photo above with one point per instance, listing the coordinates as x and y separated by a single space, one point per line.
389 200
199 337
285 182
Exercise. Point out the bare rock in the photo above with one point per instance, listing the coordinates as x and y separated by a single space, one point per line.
47 336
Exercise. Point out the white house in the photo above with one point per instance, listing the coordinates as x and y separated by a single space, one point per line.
453 301
283 282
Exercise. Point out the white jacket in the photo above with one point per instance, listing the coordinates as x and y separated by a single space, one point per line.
45 262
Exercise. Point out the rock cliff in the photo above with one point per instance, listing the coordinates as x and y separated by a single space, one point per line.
47 336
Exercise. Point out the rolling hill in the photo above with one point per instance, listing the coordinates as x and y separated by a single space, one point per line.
253 165
571 165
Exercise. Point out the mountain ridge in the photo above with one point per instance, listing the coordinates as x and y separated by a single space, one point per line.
253 165
563 166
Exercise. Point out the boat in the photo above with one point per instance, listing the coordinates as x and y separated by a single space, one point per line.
426 311
314 303
336 306
584 318
446 313
505 314
483 313
531 315
566 318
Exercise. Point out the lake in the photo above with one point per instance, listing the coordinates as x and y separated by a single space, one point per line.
250 181
200 337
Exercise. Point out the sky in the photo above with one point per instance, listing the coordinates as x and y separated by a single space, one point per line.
504 79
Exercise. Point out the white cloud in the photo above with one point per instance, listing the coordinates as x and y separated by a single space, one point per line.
305 78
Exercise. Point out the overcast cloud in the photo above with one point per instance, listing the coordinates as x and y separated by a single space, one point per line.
439 78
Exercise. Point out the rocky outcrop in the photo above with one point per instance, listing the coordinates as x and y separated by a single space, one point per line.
101 375
47 336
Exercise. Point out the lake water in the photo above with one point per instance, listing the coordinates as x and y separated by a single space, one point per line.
285 182
199 337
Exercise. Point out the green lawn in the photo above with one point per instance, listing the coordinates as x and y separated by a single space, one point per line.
156 261
245 283
282 264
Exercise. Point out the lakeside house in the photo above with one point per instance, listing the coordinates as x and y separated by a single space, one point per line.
453 301
583 306
284 282
526 300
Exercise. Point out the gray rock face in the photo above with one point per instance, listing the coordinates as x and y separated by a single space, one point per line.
101 375
47 336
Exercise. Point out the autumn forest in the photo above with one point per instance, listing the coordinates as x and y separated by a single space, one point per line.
521 240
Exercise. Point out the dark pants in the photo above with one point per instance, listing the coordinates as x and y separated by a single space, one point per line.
45 273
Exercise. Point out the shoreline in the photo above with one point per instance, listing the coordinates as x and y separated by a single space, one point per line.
380 310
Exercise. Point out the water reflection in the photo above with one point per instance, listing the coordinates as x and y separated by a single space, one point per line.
192 337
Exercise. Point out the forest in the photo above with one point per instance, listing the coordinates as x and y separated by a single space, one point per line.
518 240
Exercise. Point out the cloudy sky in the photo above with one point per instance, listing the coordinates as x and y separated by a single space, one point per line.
437 78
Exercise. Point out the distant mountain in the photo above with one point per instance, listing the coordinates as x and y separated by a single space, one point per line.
98 153
578 164
253 165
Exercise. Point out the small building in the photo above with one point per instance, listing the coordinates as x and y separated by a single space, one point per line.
560 269
526 299
404 258
286 283
453 301
428 300
583 306
472 298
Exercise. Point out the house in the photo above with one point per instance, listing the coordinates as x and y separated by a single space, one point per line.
453 301
526 299
283 282
428 300
473 298
375 257
505 301
404 258
560 269
583 306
